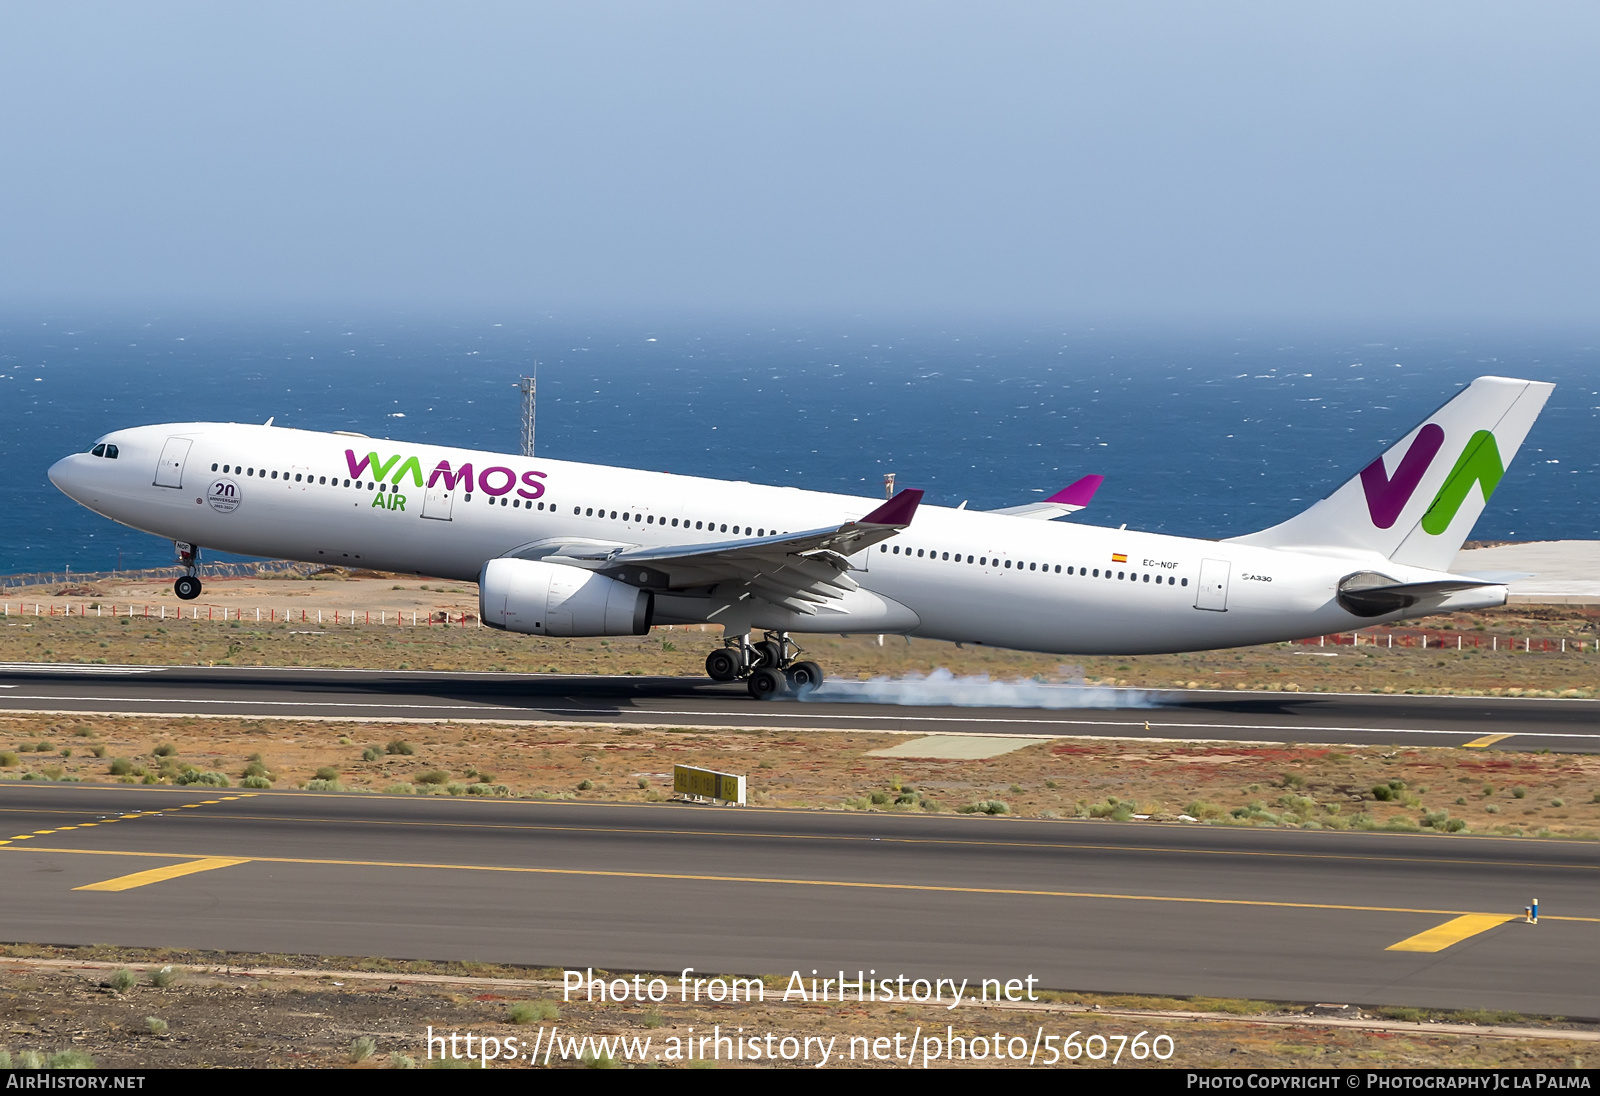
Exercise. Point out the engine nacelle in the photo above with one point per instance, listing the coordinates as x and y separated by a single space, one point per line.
549 599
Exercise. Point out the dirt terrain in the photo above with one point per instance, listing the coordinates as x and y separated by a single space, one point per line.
102 1005
1370 787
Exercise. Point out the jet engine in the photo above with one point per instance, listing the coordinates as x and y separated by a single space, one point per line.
550 599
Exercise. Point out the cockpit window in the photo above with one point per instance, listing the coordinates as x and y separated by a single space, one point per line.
99 450
111 452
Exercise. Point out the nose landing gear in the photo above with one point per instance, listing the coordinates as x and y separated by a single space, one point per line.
187 587
770 668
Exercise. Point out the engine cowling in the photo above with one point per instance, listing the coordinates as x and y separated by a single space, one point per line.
549 599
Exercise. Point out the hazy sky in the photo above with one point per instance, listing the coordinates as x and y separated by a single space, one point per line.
1417 160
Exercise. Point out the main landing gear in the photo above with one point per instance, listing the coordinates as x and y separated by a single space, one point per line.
187 587
770 668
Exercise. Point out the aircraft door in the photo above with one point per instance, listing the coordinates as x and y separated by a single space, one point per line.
438 501
1213 591
169 471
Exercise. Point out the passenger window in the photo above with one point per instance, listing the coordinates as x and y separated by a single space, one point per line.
883 547
589 513
1097 572
724 529
674 523
1185 582
1147 578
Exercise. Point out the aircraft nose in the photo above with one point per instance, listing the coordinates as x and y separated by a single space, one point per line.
65 474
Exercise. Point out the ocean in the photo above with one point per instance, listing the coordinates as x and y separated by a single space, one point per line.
1206 431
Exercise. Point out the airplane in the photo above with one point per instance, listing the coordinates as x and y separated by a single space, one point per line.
559 548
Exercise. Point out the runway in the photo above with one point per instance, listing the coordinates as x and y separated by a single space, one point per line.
1093 906
1356 719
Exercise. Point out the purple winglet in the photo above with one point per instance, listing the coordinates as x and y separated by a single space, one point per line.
1079 493
897 511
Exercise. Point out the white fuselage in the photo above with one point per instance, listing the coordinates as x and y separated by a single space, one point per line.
1033 585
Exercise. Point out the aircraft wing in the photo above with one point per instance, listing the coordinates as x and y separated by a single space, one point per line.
796 570
1068 500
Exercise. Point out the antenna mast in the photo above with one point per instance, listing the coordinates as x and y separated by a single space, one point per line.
528 386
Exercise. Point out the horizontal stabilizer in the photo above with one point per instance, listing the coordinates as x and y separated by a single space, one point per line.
1370 594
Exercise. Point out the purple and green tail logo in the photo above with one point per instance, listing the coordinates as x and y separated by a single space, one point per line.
1386 497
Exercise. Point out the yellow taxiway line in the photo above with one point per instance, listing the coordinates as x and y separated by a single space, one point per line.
1452 932
1486 740
156 875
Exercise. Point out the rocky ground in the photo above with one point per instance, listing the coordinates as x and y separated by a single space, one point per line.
1367 787
105 1006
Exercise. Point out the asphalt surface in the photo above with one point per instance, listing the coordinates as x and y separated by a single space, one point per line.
1091 906
1529 724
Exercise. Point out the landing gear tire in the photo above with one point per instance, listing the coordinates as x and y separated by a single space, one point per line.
722 665
765 684
804 676
769 653
187 588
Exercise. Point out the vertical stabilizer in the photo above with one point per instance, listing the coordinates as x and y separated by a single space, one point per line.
1417 502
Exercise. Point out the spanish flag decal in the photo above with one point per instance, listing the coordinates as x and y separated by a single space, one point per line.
1119 557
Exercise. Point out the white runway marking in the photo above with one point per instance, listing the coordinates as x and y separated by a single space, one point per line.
774 717
73 668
